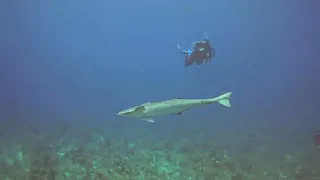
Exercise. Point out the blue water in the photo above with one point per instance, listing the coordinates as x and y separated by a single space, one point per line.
81 62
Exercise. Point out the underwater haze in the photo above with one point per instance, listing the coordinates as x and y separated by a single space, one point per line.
68 67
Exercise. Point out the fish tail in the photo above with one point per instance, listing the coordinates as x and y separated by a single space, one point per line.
224 99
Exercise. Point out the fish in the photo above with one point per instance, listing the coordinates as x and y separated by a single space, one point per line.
148 111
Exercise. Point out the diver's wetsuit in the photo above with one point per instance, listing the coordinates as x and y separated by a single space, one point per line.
201 51
316 138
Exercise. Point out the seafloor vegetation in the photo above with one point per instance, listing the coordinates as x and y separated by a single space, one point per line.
41 155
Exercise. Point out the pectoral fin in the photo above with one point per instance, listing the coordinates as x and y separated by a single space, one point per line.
148 120
179 113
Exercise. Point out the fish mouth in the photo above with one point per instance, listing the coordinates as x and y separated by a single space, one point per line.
123 113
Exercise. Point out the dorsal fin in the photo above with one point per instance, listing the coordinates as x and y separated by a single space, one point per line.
179 98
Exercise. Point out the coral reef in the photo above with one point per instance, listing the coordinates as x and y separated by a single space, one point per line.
53 157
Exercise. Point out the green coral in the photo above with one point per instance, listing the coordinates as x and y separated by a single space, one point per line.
107 159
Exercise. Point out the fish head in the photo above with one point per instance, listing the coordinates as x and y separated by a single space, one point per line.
133 112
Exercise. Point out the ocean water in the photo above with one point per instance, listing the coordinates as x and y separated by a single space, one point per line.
68 67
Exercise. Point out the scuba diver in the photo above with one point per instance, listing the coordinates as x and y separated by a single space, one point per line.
316 138
201 51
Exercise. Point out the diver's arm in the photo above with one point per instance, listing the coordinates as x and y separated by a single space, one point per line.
186 52
182 51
